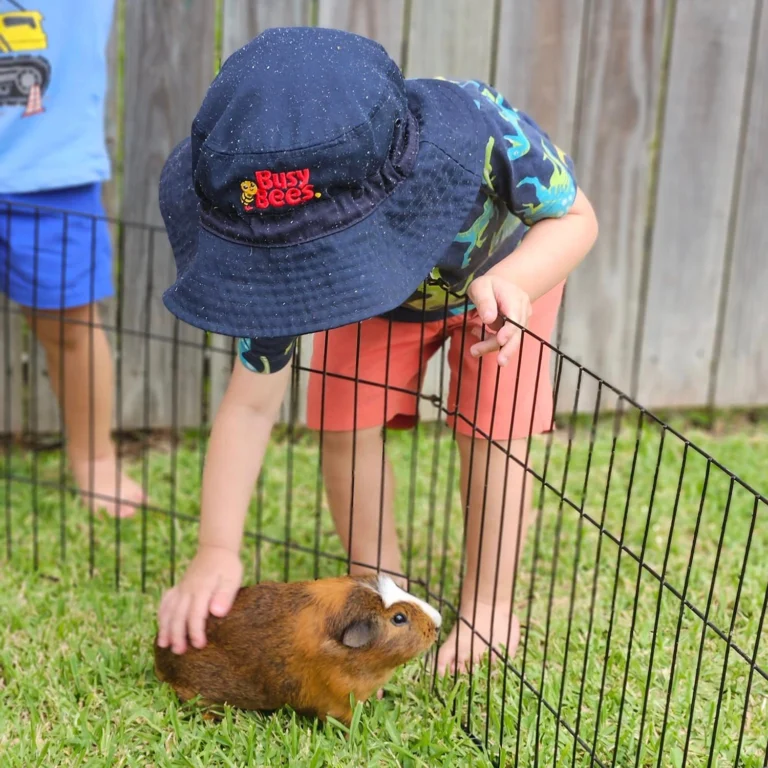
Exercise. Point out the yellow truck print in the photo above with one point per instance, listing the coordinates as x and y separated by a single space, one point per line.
21 31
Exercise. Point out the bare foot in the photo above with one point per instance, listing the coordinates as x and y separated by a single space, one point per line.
102 494
469 651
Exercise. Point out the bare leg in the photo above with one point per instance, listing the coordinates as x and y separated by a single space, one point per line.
368 509
481 577
80 344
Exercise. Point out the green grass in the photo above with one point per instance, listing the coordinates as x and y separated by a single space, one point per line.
76 663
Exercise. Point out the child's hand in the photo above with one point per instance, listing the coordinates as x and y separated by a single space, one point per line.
495 296
210 584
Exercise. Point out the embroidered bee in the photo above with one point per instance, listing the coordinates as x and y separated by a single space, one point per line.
250 189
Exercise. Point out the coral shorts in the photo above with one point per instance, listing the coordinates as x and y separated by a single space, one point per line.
483 399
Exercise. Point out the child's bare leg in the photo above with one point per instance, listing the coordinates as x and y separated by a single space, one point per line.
497 564
81 346
368 507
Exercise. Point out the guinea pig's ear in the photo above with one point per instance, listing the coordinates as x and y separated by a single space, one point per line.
358 633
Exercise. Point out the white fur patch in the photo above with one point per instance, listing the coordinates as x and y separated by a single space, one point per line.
391 594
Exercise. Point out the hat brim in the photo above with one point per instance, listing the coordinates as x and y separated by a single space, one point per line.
357 273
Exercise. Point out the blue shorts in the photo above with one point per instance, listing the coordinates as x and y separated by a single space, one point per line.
55 251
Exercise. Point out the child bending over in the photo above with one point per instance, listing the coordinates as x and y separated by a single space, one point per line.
320 192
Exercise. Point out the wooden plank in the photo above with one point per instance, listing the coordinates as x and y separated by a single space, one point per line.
538 61
450 38
165 80
537 69
244 20
11 360
436 385
379 21
613 149
114 124
698 161
113 191
743 367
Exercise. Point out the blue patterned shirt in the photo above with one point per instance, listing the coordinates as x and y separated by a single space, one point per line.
526 178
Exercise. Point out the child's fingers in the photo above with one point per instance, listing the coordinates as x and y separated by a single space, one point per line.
163 618
505 343
179 624
198 613
484 347
507 334
223 597
484 299
520 313
509 349
515 304
481 331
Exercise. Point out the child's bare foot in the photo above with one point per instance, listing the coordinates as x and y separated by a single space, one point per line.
99 487
469 651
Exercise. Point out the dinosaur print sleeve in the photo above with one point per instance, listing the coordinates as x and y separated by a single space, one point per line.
533 176
266 355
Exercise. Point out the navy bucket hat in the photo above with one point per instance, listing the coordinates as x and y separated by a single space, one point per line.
318 187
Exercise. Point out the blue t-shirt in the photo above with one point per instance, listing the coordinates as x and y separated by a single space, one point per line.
526 179
53 69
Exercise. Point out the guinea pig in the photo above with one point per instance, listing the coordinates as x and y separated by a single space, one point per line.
307 644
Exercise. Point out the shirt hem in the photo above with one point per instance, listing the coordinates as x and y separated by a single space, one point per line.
55 181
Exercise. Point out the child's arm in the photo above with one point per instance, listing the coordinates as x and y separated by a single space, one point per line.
536 181
550 250
548 253
238 442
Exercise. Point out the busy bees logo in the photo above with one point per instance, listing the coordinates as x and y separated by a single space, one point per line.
276 190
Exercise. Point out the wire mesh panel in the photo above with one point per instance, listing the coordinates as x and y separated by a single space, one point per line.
617 571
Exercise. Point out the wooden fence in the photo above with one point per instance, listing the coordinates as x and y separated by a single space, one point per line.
662 103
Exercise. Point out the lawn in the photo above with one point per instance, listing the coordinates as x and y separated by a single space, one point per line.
613 663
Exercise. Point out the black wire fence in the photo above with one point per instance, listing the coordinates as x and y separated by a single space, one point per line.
641 588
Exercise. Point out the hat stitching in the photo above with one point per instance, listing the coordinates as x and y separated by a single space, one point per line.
448 155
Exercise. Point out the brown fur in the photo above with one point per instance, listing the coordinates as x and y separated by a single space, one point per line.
284 644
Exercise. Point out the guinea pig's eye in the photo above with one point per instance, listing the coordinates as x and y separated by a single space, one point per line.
399 619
